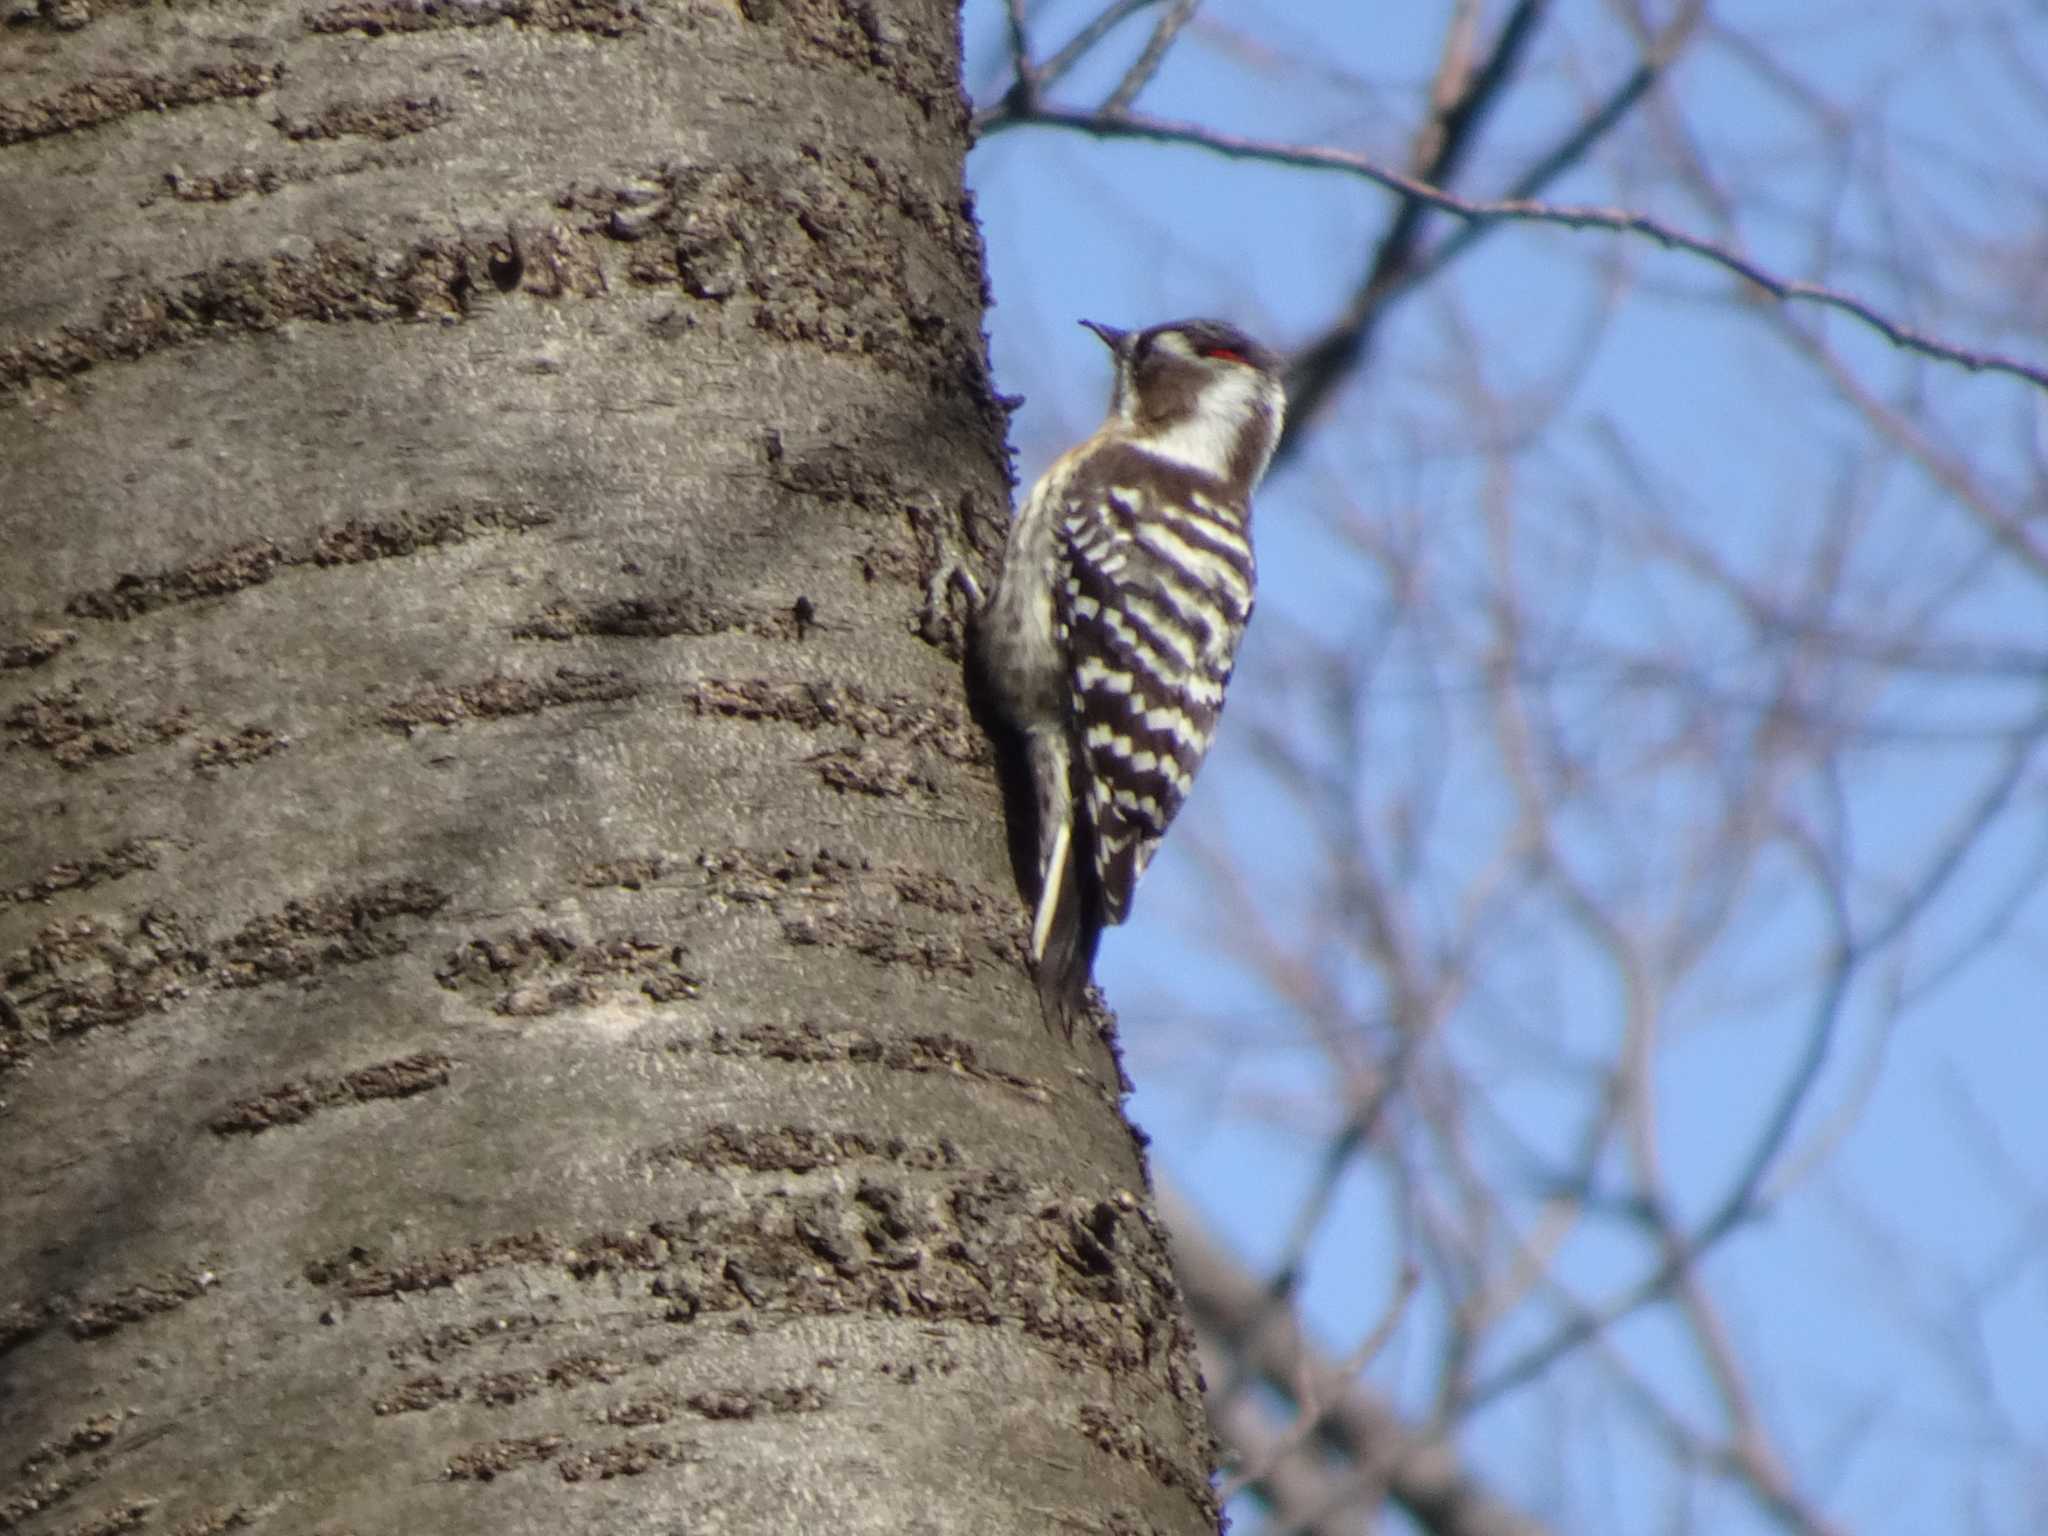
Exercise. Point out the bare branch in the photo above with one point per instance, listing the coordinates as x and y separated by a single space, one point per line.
1310 1409
1304 1492
1478 211
1460 101
1952 473
1020 45
1421 1472
1745 1195
1593 764
1020 102
1140 74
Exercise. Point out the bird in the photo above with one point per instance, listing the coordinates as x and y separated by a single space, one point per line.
1106 647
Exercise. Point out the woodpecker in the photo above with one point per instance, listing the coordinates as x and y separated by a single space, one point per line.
1115 621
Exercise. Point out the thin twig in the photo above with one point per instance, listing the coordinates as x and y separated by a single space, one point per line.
1019 104
1460 100
1020 45
1745 1196
1140 74
1952 473
1480 211
1567 152
1360 1488
1423 1473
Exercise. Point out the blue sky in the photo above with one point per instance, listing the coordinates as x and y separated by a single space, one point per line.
1891 1308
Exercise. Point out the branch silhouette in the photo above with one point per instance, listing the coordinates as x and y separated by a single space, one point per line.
1477 211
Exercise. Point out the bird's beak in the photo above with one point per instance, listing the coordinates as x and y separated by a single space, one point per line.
1110 335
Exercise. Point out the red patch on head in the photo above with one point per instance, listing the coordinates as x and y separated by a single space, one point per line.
1228 354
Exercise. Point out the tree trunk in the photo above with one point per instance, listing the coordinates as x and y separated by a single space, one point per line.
510 1004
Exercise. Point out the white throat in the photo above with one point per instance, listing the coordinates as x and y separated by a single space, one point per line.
1206 440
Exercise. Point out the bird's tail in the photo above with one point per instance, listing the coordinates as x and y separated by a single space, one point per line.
1038 801
1066 927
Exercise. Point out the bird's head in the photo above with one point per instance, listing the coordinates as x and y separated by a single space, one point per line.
1200 393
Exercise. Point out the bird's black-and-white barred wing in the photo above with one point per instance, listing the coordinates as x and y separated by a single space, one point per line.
1154 599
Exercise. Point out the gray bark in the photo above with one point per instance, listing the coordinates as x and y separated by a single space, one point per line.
510 1004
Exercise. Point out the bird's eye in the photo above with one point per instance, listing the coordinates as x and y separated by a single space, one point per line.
1227 354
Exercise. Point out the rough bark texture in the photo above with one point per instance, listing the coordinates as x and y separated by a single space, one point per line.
510 1003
